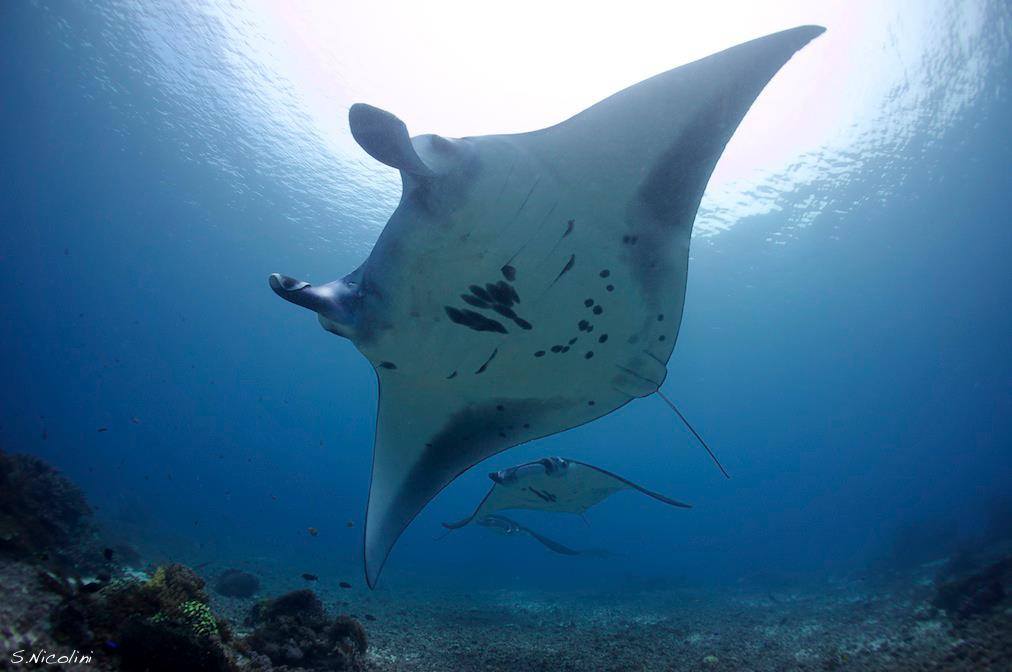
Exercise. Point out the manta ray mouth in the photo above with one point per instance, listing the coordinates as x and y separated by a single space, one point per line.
282 284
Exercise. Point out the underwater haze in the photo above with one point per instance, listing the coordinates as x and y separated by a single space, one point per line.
846 343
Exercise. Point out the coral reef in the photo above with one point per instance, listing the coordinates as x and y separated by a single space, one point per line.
294 630
164 620
133 622
152 645
977 593
236 583
43 516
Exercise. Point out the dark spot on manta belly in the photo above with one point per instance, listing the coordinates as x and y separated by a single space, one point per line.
505 311
452 375
660 318
488 361
591 402
602 338
590 353
499 296
480 293
569 227
508 312
572 340
473 320
589 302
610 288
598 310
567 268
605 273
501 292
509 272
582 325
388 365
661 337
539 353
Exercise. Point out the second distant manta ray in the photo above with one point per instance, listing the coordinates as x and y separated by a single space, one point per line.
509 527
553 484
529 283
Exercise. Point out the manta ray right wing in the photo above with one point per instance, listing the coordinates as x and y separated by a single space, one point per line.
602 480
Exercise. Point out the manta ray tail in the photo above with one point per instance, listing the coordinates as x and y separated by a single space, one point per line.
694 433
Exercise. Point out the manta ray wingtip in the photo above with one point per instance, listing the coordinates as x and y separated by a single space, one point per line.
807 33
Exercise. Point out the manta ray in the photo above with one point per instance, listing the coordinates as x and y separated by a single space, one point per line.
509 527
553 484
529 283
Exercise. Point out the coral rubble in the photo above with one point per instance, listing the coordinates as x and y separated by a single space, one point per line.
294 630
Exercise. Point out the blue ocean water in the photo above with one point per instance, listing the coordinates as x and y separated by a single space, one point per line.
844 349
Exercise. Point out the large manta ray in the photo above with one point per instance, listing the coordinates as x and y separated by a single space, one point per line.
553 484
530 283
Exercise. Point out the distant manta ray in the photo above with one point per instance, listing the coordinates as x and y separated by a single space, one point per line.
553 484
529 283
509 527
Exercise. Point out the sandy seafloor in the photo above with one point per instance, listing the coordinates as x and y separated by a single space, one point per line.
849 626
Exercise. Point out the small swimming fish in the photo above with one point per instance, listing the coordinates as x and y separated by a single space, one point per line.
313 531
310 577
107 554
344 584
135 420
350 523
103 429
